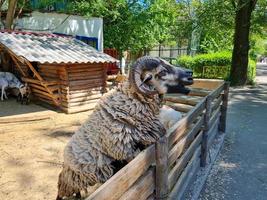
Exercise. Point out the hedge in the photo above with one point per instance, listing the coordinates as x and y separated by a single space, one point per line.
214 65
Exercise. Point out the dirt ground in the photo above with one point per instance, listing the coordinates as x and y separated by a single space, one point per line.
31 155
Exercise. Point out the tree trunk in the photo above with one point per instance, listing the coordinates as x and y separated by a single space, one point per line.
239 69
12 4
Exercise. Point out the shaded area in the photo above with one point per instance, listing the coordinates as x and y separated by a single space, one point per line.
11 107
240 172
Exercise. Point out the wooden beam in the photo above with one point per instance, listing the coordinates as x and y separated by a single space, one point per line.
179 107
18 66
207 116
162 168
186 177
118 184
33 70
181 145
183 160
143 188
222 124
198 92
189 100
174 133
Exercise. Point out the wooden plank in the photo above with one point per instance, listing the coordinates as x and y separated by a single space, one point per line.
214 94
81 103
18 65
186 177
162 168
83 78
29 80
181 145
35 116
222 125
180 127
209 84
216 103
91 95
176 171
78 109
81 99
207 116
179 107
56 96
36 86
33 70
198 92
118 184
214 117
81 92
212 133
143 187
189 100
82 82
86 73
83 87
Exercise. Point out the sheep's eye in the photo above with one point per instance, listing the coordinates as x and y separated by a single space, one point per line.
162 73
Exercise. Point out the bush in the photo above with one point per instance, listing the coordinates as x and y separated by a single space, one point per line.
251 71
214 65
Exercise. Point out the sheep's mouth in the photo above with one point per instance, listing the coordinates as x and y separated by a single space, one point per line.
180 88
186 81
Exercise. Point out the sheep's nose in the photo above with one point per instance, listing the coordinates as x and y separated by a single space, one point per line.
186 78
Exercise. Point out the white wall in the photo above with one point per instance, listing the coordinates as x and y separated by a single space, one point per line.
63 23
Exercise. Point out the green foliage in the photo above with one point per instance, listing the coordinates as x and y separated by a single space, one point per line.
258 46
214 65
251 71
131 25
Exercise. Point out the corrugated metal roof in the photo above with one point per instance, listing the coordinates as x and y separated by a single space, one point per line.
49 48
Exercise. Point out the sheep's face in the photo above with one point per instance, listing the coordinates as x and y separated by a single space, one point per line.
166 78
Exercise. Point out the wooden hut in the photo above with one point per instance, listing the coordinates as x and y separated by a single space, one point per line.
60 71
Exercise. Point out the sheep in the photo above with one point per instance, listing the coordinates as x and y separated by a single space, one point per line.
123 123
168 116
9 80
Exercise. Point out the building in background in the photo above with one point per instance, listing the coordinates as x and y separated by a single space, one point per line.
88 30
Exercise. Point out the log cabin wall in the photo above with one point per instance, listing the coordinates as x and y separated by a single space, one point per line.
80 85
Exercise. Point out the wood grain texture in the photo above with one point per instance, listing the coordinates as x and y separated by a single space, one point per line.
188 174
183 160
143 188
118 184
162 168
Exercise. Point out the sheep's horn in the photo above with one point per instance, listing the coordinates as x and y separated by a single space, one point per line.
144 63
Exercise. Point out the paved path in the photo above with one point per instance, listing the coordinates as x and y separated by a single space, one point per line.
240 172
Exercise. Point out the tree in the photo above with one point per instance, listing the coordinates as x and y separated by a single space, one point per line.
130 24
12 5
239 68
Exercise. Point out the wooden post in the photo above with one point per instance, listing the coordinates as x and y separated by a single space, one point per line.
104 85
206 128
222 124
162 188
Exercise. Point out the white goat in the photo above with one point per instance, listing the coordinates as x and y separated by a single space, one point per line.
9 80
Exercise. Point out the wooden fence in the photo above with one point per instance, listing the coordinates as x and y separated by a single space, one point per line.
165 170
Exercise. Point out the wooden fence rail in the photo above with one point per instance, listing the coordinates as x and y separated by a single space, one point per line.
166 169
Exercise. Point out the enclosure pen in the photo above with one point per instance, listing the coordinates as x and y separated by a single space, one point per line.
60 71
166 169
